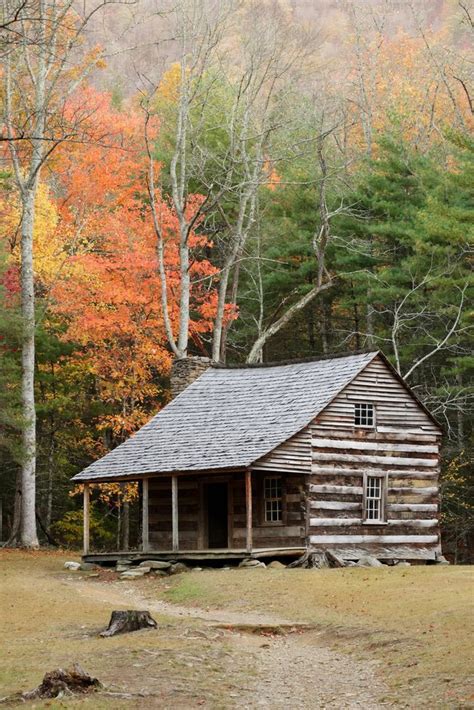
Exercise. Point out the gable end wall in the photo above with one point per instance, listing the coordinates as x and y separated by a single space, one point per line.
404 445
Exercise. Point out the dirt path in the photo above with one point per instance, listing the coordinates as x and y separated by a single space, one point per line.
292 670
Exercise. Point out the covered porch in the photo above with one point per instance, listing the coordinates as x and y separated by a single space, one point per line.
207 516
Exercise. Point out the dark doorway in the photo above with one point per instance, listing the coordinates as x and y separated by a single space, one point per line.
217 509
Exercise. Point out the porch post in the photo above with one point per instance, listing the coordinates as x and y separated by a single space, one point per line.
145 529
86 523
248 508
174 512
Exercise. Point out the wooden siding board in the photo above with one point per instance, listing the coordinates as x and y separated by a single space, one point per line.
361 539
293 455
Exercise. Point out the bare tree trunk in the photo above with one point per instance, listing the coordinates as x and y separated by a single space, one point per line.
460 416
232 299
325 327
29 536
49 492
243 225
356 319
369 321
311 330
126 526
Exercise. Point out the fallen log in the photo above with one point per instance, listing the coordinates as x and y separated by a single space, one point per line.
122 622
59 683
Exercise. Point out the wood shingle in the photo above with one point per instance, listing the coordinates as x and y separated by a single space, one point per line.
229 418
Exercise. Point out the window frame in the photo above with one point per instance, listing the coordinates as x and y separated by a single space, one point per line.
374 415
382 520
281 498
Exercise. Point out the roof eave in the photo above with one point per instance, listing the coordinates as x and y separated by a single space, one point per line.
82 478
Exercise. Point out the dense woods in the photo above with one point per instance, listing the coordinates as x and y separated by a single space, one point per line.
249 181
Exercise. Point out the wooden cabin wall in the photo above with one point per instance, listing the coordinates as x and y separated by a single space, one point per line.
404 444
160 513
292 533
292 456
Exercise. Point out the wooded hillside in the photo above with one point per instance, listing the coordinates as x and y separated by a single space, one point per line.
251 181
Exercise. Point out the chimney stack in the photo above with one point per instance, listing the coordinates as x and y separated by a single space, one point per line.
184 371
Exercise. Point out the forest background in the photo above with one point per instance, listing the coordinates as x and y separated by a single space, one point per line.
245 180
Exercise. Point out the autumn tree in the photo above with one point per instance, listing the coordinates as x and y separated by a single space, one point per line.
44 63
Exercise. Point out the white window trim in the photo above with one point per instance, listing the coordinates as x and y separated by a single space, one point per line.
280 498
383 519
374 412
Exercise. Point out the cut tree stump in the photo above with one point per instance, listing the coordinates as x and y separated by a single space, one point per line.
58 683
310 560
121 622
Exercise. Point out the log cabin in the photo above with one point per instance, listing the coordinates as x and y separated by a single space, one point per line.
335 454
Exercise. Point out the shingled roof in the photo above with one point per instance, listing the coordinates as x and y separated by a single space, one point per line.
229 418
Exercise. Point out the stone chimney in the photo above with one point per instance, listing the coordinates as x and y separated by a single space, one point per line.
184 371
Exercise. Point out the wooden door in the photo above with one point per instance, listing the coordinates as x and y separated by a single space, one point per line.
216 495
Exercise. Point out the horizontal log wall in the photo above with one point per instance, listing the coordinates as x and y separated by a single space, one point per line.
292 533
404 446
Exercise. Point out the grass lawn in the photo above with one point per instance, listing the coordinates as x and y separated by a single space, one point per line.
46 623
418 620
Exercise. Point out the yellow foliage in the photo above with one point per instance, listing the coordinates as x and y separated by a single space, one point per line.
170 83
49 252
48 243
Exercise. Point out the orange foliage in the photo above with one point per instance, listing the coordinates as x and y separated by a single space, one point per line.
111 493
273 178
108 292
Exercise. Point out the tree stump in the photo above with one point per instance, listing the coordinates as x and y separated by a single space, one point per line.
122 622
310 560
58 683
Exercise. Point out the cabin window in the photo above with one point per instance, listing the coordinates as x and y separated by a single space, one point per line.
273 499
374 499
364 414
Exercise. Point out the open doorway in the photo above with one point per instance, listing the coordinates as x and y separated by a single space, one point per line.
216 498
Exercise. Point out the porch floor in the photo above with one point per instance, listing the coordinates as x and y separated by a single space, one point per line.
193 555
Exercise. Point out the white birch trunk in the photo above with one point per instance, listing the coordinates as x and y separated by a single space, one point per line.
28 536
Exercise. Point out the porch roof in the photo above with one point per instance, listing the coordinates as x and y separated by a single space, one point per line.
229 418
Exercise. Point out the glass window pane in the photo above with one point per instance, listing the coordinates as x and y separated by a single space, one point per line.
364 414
373 498
273 499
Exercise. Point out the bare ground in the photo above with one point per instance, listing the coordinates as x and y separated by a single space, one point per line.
292 667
